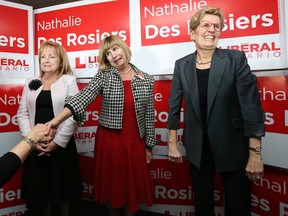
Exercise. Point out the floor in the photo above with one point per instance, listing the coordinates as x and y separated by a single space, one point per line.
90 208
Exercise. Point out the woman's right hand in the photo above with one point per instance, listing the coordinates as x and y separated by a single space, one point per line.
51 125
55 122
40 133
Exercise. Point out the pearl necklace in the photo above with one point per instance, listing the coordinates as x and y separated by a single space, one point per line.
202 63
126 71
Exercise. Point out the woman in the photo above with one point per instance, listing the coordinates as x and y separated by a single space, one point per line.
125 135
51 185
224 120
12 160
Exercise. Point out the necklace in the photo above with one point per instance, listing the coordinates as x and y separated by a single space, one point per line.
126 71
48 82
202 63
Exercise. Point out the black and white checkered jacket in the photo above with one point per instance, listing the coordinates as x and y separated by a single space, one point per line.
109 85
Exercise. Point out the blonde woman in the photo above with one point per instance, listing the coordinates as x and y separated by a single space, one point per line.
126 131
51 185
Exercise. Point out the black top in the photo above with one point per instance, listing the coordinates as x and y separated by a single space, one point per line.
54 178
202 78
9 164
44 107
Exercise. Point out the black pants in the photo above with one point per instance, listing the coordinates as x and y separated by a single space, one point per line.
237 189
55 209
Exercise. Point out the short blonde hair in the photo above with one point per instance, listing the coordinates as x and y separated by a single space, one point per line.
106 44
197 17
60 52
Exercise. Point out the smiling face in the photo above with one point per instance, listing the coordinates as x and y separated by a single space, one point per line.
49 61
207 33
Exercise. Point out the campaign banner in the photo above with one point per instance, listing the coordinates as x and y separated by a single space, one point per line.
284 8
273 89
10 96
157 33
170 198
152 29
87 169
270 194
85 135
166 22
10 200
80 27
174 194
164 38
16 41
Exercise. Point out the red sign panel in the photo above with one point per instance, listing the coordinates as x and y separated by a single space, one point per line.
83 27
13 34
164 22
273 93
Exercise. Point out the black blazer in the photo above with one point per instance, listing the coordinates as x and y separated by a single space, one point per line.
234 111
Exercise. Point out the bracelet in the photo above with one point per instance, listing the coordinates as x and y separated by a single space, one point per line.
256 148
30 141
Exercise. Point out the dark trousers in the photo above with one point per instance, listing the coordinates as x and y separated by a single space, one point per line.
237 189
55 209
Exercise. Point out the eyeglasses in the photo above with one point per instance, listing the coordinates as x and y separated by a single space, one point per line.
207 25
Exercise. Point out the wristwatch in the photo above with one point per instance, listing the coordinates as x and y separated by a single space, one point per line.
256 148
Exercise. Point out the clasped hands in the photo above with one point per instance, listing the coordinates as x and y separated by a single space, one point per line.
44 143
45 149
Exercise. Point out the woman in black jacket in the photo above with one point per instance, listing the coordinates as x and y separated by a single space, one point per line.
224 119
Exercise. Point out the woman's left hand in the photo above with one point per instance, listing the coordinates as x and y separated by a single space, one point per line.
174 153
46 149
149 155
255 167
